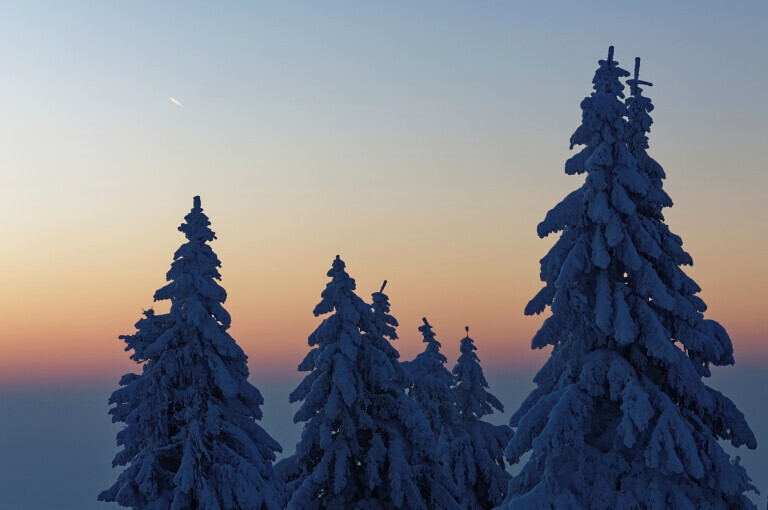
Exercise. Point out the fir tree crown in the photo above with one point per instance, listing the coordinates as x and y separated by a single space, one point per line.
433 346
385 322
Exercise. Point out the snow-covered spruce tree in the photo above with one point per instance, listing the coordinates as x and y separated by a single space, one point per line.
365 444
431 390
432 480
190 439
621 417
480 466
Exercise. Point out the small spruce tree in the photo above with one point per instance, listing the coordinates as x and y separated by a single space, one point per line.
482 466
190 439
365 444
431 389
621 417
408 422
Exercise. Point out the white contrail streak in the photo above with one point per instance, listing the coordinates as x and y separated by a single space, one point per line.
176 101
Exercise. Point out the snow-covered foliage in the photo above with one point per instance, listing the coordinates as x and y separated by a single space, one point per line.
432 383
479 469
639 125
365 444
190 439
621 417
431 390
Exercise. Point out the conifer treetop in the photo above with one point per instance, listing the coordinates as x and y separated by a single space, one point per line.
639 125
433 346
195 269
340 287
635 82
197 225
432 383
384 321
606 79
472 398
638 109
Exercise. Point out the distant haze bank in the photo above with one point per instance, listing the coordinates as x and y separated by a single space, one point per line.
63 434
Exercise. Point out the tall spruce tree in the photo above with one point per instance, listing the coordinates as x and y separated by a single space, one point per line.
621 417
480 466
190 439
365 444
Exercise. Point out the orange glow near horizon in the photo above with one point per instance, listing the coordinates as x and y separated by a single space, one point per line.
50 336
80 269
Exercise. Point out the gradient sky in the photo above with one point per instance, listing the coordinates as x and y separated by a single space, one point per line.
421 141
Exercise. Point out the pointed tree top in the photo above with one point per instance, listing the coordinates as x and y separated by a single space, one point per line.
385 322
635 82
606 80
426 330
338 273
337 264
466 328
196 226
433 346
